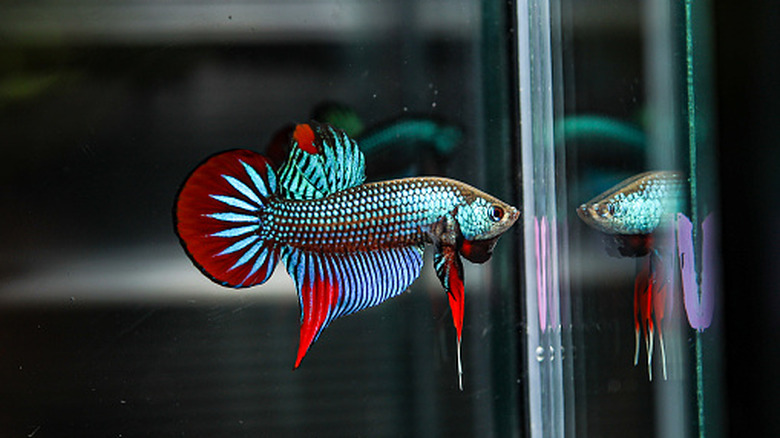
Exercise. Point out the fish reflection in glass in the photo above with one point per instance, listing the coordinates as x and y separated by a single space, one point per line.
637 205
632 214
347 245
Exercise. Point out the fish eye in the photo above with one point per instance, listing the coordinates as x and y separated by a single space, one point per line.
606 210
496 213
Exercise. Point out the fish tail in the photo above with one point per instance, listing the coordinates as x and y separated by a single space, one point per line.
219 217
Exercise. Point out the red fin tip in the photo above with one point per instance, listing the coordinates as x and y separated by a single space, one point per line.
304 136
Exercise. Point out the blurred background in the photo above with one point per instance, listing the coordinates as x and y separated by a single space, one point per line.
106 329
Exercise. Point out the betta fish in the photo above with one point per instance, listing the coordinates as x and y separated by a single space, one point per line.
347 245
630 214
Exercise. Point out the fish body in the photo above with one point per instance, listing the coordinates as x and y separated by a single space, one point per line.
347 245
637 205
376 216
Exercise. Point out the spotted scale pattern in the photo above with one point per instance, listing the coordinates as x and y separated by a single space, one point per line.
383 215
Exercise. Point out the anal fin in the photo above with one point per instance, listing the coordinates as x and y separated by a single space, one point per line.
334 285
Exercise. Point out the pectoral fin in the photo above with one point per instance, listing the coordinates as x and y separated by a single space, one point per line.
449 269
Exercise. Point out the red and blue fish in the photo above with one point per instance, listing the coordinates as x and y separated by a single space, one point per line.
347 245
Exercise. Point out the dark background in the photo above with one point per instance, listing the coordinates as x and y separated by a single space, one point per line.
748 86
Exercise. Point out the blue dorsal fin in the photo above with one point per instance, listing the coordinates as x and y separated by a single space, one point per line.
322 160
336 285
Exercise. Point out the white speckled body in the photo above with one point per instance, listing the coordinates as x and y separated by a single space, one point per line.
382 215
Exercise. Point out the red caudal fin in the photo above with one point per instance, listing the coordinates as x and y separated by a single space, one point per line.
219 214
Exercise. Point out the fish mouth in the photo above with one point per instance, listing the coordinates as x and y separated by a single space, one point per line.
515 216
587 212
583 212
506 223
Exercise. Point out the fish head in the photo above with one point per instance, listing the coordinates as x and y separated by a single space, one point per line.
481 222
599 215
623 214
484 218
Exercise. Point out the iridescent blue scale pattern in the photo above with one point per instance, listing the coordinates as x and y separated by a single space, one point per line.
388 214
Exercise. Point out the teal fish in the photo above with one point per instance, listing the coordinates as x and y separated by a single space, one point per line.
347 245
